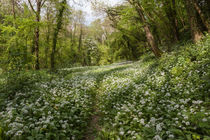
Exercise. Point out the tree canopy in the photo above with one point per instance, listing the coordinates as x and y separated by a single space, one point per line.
52 34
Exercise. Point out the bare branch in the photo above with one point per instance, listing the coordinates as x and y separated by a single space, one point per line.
43 3
32 6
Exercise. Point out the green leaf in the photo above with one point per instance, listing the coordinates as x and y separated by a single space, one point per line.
177 131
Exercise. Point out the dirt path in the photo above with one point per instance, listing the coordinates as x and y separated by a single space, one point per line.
93 127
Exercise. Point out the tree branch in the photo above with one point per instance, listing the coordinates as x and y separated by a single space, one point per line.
29 1
43 3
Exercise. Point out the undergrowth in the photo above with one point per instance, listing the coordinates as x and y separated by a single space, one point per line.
149 99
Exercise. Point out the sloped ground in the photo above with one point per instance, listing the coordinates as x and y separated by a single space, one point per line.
149 99
164 99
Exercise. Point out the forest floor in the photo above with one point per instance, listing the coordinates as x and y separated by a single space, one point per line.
165 98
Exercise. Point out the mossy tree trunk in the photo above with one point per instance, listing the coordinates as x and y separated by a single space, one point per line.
37 12
56 31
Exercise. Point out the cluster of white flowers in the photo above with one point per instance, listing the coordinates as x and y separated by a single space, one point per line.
135 101
153 104
59 107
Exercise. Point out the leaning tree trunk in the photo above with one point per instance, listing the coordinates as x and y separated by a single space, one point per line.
200 12
151 41
149 35
195 30
56 31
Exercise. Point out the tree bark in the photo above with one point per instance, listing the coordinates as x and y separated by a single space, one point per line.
13 9
56 31
74 34
47 39
174 20
200 12
37 38
195 31
149 35
80 39
47 46
39 4
25 51
151 40
170 9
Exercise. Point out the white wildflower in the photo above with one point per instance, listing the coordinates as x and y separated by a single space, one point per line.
122 133
142 121
158 127
171 136
147 93
157 137
187 123
204 120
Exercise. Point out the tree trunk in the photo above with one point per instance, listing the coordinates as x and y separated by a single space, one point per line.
56 31
36 49
47 40
80 39
25 51
47 46
149 35
174 21
151 40
170 9
157 37
74 34
195 31
13 9
203 19
39 4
